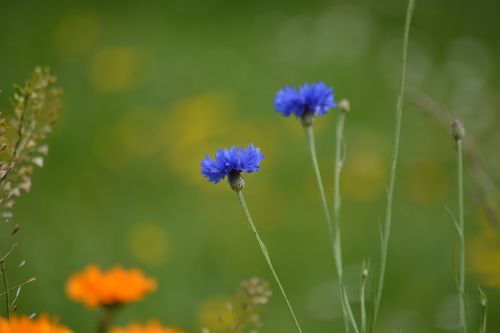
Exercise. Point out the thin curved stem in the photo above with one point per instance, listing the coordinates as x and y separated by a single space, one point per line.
337 204
364 280
268 259
394 161
333 229
461 238
484 310
336 188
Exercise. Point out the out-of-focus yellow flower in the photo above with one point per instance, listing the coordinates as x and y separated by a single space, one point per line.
149 242
151 327
484 253
485 258
191 127
117 286
24 324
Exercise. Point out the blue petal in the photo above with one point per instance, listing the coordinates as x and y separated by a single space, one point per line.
288 101
317 97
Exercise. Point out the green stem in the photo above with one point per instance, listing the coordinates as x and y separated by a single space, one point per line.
461 236
337 207
364 279
328 220
333 229
336 190
484 310
392 177
268 259
6 287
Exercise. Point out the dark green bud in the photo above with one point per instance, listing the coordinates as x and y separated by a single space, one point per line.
236 181
307 118
457 130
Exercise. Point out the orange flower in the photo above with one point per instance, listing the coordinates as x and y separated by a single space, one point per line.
118 286
151 327
26 325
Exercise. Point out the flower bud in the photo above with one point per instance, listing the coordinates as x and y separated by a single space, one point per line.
344 105
236 181
364 274
457 130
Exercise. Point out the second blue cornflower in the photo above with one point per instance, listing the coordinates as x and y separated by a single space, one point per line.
310 100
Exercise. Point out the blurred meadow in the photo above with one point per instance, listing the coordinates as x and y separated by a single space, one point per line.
150 87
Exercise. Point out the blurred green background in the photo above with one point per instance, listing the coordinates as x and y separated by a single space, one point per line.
151 86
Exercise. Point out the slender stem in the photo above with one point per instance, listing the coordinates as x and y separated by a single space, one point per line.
350 315
333 229
392 177
6 287
461 237
337 206
484 310
328 220
364 279
336 189
268 259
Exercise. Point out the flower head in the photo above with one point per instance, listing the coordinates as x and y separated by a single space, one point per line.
151 327
24 324
117 286
457 130
231 163
309 100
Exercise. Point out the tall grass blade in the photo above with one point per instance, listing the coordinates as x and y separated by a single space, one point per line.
394 163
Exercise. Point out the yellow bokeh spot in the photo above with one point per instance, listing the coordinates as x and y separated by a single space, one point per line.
489 214
427 181
365 169
484 258
76 34
215 315
484 251
116 69
194 127
149 243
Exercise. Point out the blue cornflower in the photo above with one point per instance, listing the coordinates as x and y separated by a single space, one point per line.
231 163
310 100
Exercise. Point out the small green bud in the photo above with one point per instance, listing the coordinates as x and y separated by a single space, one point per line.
344 105
364 274
457 130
